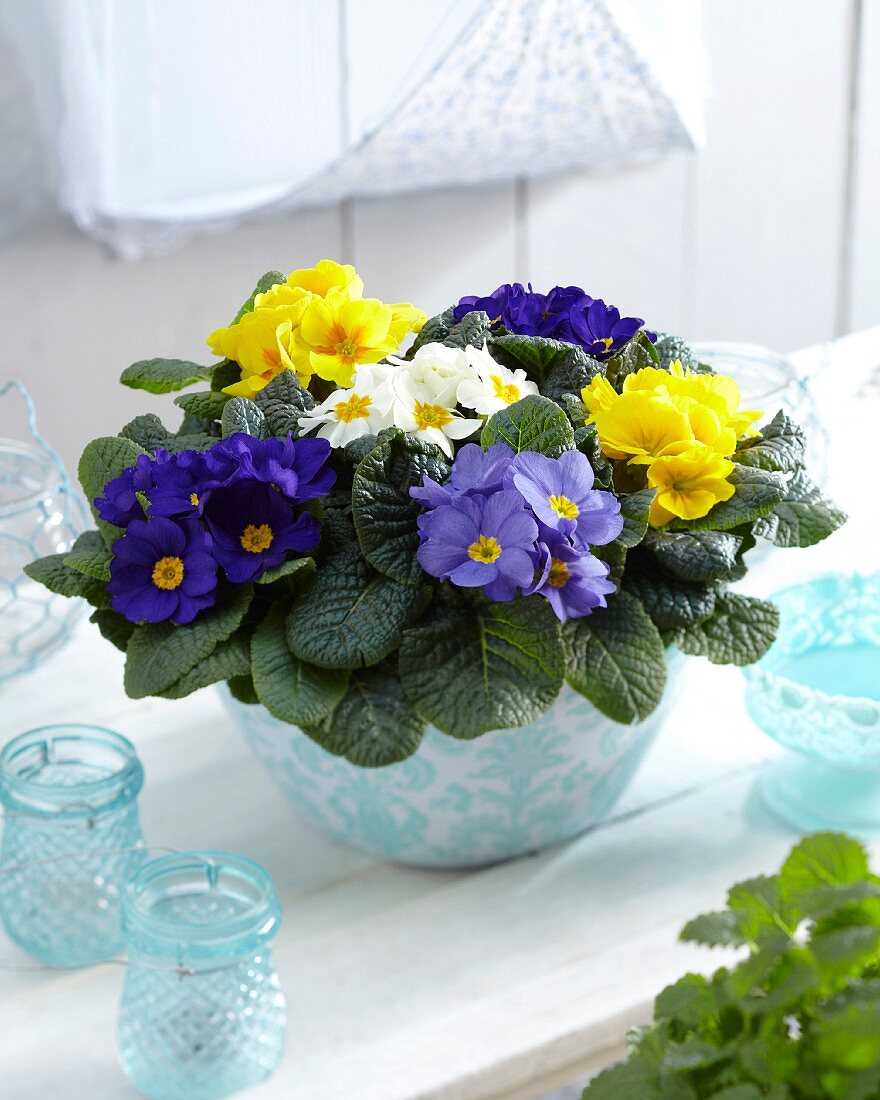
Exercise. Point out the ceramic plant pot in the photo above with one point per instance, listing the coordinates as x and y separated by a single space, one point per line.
463 803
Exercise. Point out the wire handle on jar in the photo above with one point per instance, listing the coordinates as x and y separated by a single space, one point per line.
31 413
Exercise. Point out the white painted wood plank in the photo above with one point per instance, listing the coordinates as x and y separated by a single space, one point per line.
74 317
432 248
864 308
623 236
771 176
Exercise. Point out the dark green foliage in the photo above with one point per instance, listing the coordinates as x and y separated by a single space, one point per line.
798 1018
204 405
533 424
470 665
616 659
384 513
673 347
264 283
739 631
473 329
241 415
147 431
635 355
283 401
164 375
803 517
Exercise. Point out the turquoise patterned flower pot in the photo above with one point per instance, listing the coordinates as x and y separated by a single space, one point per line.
463 803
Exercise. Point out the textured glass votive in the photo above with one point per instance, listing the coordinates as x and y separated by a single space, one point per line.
202 1011
69 799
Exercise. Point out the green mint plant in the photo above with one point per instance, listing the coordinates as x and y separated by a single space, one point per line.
797 1018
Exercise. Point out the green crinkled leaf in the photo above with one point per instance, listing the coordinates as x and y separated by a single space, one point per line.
671 603
195 441
472 329
101 461
206 404
384 513
160 654
89 555
695 555
300 567
718 929
757 492
164 375
803 517
779 447
740 631
686 1001
625 1081
553 364
617 660
586 439
670 347
289 688
242 415
614 556
264 283
242 689
226 373
229 660
114 627
822 860
59 578
533 424
147 431
283 402
634 356
474 666
760 906
349 615
635 508
374 725
568 373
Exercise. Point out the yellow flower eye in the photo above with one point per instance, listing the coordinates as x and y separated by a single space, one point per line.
257 539
559 575
564 508
168 574
485 550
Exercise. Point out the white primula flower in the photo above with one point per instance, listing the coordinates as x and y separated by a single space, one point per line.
491 386
434 363
365 409
424 405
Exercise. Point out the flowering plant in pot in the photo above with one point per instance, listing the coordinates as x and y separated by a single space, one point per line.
509 526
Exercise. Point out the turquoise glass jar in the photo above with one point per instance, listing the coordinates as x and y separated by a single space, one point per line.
69 795
202 1011
817 693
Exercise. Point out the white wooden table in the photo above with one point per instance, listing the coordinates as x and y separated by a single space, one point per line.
406 984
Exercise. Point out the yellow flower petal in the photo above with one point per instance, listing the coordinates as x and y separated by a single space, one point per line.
405 319
689 483
327 275
599 395
640 425
366 321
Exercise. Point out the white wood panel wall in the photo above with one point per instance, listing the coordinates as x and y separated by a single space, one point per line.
761 235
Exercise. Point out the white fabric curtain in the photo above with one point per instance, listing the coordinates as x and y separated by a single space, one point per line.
175 116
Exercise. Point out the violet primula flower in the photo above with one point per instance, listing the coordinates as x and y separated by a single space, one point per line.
473 471
254 528
162 569
572 581
600 330
481 542
296 468
560 491
119 505
182 485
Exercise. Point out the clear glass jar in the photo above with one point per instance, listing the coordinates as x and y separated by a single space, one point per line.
770 382
69 795
202 1011
40 514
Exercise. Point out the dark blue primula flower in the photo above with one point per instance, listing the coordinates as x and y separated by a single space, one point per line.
162 569
296 468
183 485
119 505
600 330
566 313
255 528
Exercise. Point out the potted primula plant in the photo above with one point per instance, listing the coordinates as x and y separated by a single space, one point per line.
446 587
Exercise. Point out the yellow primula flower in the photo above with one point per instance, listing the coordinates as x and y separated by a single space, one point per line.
640 425
337 333
599 395
718 392
258 344
325 276
689 482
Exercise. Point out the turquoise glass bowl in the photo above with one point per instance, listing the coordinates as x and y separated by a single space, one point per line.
69 795
202 1013
817 692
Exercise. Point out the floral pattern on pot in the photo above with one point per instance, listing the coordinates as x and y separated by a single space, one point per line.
459 803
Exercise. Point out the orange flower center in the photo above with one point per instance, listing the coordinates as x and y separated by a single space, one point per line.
257 539
558 576
168 574
355 408
508 393
430 416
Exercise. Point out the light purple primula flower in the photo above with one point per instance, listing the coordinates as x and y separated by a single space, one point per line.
573 582
481 542
473 471
560 491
